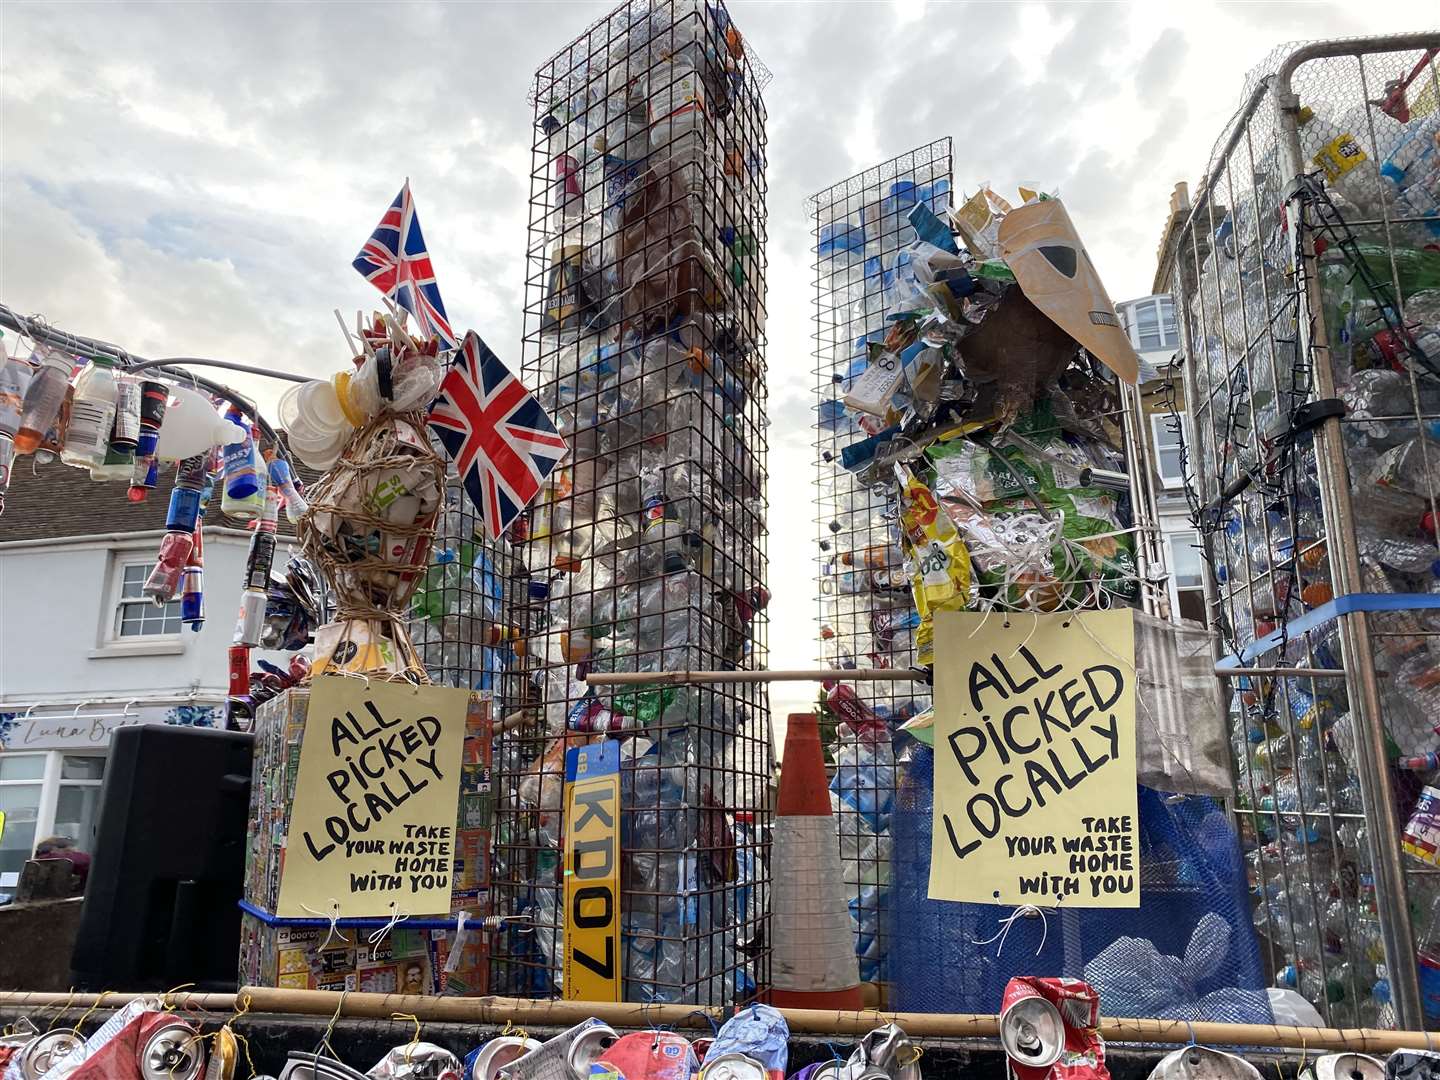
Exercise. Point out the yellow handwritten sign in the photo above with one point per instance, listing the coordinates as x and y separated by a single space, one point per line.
1035 798
592 872
376 796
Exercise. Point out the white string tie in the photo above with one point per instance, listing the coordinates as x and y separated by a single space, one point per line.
396 918
334 918
1023 911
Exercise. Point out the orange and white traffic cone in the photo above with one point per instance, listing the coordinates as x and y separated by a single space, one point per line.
812 963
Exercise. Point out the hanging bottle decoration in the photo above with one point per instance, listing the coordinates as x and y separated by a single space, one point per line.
179 538
258 563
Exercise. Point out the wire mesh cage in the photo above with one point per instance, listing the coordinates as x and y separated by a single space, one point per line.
645 338
867 617
459 611
1306 280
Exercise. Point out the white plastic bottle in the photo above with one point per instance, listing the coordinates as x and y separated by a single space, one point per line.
92 416
192 426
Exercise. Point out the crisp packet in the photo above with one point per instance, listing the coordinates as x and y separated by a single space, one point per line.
937 559
942 563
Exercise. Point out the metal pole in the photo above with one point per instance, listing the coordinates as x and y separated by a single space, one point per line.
667 678
1151 564
1382 828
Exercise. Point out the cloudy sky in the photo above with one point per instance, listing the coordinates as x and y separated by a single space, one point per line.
193 179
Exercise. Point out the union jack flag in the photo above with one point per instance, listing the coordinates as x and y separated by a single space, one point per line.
502 442
395 261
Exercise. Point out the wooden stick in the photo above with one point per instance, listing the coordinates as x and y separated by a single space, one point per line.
349 341
669 678
517 719
496 1011
29 999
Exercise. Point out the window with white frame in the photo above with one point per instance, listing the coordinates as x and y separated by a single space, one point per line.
46 793
1151 323
136 615
1187 569
77 802
1168 442
22 782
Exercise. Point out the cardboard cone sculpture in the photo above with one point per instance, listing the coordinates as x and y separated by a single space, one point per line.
1043 250
813 964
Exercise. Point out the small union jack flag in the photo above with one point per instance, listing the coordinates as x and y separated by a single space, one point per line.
502 442
395 261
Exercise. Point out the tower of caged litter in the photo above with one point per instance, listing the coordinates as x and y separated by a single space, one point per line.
867 615
1307 281
645 338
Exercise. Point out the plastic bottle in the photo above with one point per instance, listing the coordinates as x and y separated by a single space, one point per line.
192 426
665 545
7 461
15 377
281 477
250 623
241 482
180 521
144 474
192 580
119 461
43 398
92 415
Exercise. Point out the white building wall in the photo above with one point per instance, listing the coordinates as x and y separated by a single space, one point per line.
57 599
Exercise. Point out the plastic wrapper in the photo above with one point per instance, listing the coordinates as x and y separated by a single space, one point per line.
978 222
759 1032
417 1061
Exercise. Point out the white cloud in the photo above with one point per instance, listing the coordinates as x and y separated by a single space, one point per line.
194 179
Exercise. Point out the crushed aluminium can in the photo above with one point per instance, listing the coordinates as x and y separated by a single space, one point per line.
1048 1027
1413 1065
416 1061
170 1049
1031 1030
1349 1066
586 1048
733 1067
42 1053
1202 1063
486 1060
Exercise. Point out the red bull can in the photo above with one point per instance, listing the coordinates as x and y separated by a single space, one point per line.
1048 1029
170 1049
1031 1029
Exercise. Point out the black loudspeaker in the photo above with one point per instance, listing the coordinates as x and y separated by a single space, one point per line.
168 864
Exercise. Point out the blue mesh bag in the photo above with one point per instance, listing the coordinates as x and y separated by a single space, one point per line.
1189 951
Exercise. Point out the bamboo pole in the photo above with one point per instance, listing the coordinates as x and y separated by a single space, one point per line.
30 999
497 1011
668 678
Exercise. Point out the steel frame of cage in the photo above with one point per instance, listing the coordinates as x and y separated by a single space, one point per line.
1249 284
644 339
863 592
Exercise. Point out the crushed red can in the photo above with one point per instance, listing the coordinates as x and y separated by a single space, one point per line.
1048 1027
651 1055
